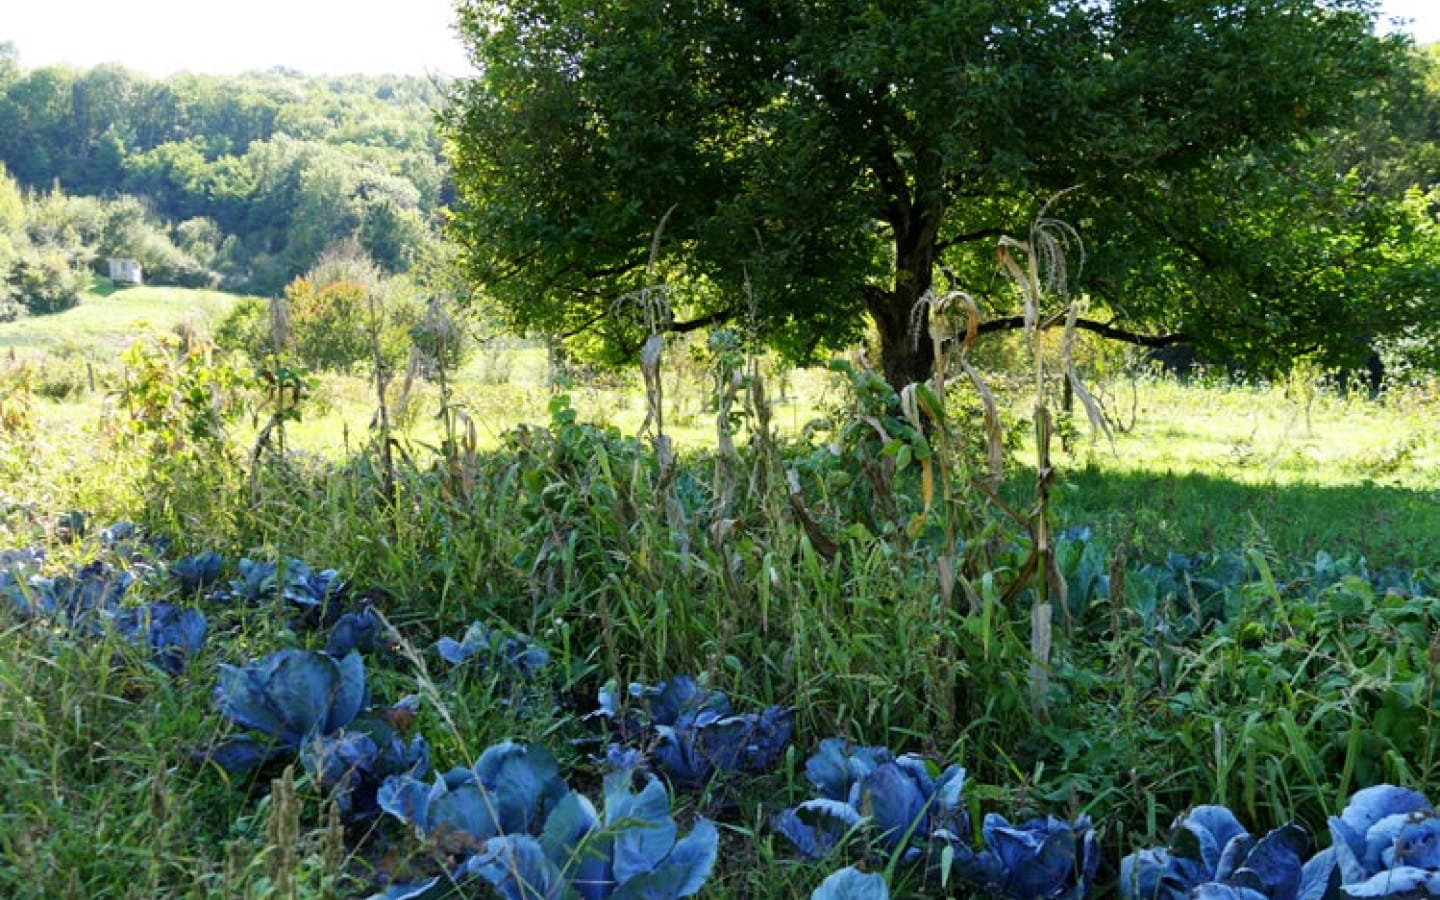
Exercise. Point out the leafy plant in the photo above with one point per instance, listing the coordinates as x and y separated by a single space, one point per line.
850 883
510 789
197 572
172 633
915 814
352 764
1385 843
290 696
869 788
494 650
295 583
313 704
118 533
363 631
512 822
179 400
1042 858
17 567
74 599
692 734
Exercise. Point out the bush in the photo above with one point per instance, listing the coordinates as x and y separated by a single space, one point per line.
130 231
48 282
246 328
11 305
335 307
328 322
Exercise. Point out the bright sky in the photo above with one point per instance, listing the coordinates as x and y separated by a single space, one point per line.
1425 13
160 37
330 37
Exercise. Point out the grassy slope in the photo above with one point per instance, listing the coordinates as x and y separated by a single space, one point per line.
1229 466
107 319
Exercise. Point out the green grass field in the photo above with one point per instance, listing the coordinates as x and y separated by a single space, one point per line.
1249 619
109 319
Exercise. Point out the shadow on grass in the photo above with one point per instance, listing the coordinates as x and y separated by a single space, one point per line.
1154 513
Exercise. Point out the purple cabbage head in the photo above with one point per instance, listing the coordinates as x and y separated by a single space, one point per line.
511 789
691 733
197 572
1042 859
295 582
1385 843
1212 857
519 829
290 696
496 651
362 631
172 633
850 883
896 801
351 764
78 600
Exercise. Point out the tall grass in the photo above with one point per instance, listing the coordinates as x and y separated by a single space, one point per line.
857 575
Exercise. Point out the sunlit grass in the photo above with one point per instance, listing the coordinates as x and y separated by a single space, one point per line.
108 320
1261 435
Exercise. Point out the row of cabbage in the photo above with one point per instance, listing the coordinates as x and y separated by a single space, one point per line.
510 819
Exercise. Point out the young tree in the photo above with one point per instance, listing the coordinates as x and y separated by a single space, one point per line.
344 301
816 163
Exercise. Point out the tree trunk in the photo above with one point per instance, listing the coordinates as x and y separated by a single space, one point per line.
903 359
906 354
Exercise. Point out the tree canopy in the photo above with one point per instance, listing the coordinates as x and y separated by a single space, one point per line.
818 163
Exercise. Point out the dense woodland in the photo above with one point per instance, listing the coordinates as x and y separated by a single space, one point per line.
240 182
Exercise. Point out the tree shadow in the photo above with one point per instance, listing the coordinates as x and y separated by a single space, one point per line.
1153 513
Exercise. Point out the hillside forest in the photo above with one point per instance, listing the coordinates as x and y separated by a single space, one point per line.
233 182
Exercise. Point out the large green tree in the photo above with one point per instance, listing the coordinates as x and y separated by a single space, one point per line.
815 163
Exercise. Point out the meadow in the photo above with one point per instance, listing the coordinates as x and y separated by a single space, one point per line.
1241 612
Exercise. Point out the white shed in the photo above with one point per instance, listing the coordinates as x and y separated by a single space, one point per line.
125 271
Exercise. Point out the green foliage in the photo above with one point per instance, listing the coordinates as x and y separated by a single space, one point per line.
246 328
17 399
178 399
12 306
12 203
328 322
179 404
1199 661
281 165
815 165
345 312
48 281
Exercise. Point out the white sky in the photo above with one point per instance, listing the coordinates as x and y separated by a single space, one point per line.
160 37
331 37
1425 13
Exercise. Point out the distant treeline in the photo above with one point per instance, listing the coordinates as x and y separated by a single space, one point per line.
241 181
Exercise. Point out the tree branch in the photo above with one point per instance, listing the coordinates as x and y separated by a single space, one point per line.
620 268
1104 329
583 327
715 318
967 237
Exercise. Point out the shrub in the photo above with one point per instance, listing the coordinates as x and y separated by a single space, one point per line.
12 305
246 328
49 282
341 306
